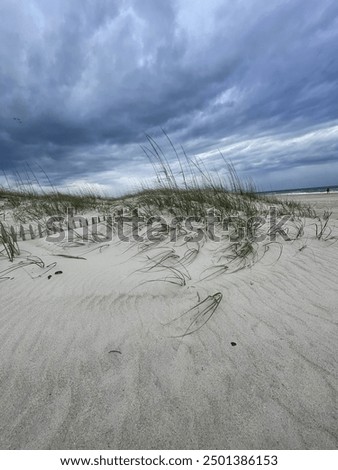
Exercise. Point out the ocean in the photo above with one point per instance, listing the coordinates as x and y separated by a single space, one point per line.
317 190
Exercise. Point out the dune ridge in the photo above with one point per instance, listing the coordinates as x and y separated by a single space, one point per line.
102 355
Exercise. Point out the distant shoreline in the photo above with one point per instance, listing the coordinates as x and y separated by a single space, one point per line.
303 191
320 201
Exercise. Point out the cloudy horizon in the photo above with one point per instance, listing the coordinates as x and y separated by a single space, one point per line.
82 84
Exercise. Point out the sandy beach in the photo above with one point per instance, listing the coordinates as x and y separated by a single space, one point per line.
320 202
97 356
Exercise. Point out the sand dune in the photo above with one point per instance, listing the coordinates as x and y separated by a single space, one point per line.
94 357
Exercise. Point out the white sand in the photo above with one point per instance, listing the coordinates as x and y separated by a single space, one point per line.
62 388
319 202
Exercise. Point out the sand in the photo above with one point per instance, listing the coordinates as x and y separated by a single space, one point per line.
90 358
320 202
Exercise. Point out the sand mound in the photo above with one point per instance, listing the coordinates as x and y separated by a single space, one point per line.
117 351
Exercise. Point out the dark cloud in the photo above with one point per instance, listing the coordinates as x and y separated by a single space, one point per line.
89 79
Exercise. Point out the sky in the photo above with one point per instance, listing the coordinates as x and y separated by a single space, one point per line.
83 82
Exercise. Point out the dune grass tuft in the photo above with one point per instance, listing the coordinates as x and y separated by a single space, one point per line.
198 315
9 243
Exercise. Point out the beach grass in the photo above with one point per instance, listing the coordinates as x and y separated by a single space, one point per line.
7 240
183 188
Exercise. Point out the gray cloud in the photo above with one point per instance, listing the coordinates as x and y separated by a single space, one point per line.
89 79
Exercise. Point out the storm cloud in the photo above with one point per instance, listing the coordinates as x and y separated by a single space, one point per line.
83 82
